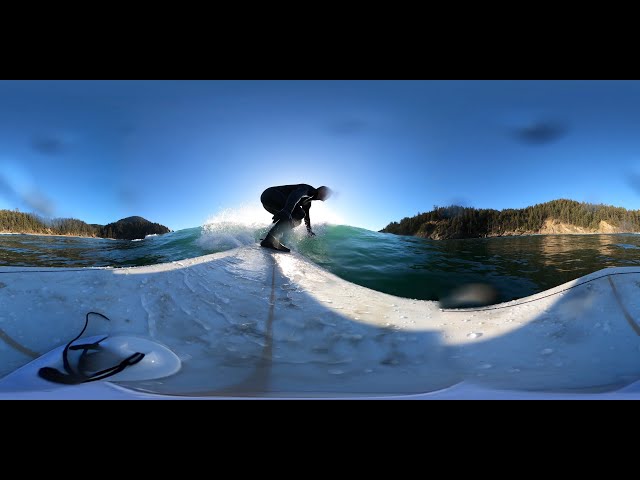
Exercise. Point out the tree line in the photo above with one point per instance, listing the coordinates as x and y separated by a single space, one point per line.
466 222
14 221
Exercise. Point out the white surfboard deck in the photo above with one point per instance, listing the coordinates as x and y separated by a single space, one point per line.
252 323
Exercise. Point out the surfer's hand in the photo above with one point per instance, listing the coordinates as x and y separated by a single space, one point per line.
311 234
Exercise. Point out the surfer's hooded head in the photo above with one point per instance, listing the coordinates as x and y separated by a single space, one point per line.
322 193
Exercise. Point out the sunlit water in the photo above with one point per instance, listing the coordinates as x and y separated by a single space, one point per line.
403 266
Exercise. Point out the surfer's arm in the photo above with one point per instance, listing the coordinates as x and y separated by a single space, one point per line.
307 219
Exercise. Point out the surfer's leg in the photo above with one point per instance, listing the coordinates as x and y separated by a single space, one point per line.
284 226
273 201
274 244
297 216
272 240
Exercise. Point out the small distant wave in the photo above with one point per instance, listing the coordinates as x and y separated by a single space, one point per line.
145 237
626 246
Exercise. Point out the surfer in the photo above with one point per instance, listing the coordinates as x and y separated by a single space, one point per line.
289 205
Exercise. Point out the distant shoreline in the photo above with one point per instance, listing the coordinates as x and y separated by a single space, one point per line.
555 233
55 235
523 235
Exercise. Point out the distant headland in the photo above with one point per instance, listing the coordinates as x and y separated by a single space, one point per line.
555 217
130 228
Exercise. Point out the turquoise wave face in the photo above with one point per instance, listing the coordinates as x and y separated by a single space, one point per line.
511 267
404 266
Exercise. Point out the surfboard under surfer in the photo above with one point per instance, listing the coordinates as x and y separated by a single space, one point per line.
289 205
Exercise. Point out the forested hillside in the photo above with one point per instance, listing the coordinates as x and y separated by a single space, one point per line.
465 222
14 221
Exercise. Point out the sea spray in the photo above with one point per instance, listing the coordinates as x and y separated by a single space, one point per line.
234 227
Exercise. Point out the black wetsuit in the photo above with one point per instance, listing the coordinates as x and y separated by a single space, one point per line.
284 201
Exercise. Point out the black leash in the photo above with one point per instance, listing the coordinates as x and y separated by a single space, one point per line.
73 377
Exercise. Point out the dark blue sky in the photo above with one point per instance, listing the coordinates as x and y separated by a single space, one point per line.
180 152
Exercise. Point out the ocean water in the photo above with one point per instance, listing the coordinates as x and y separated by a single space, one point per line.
404 266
